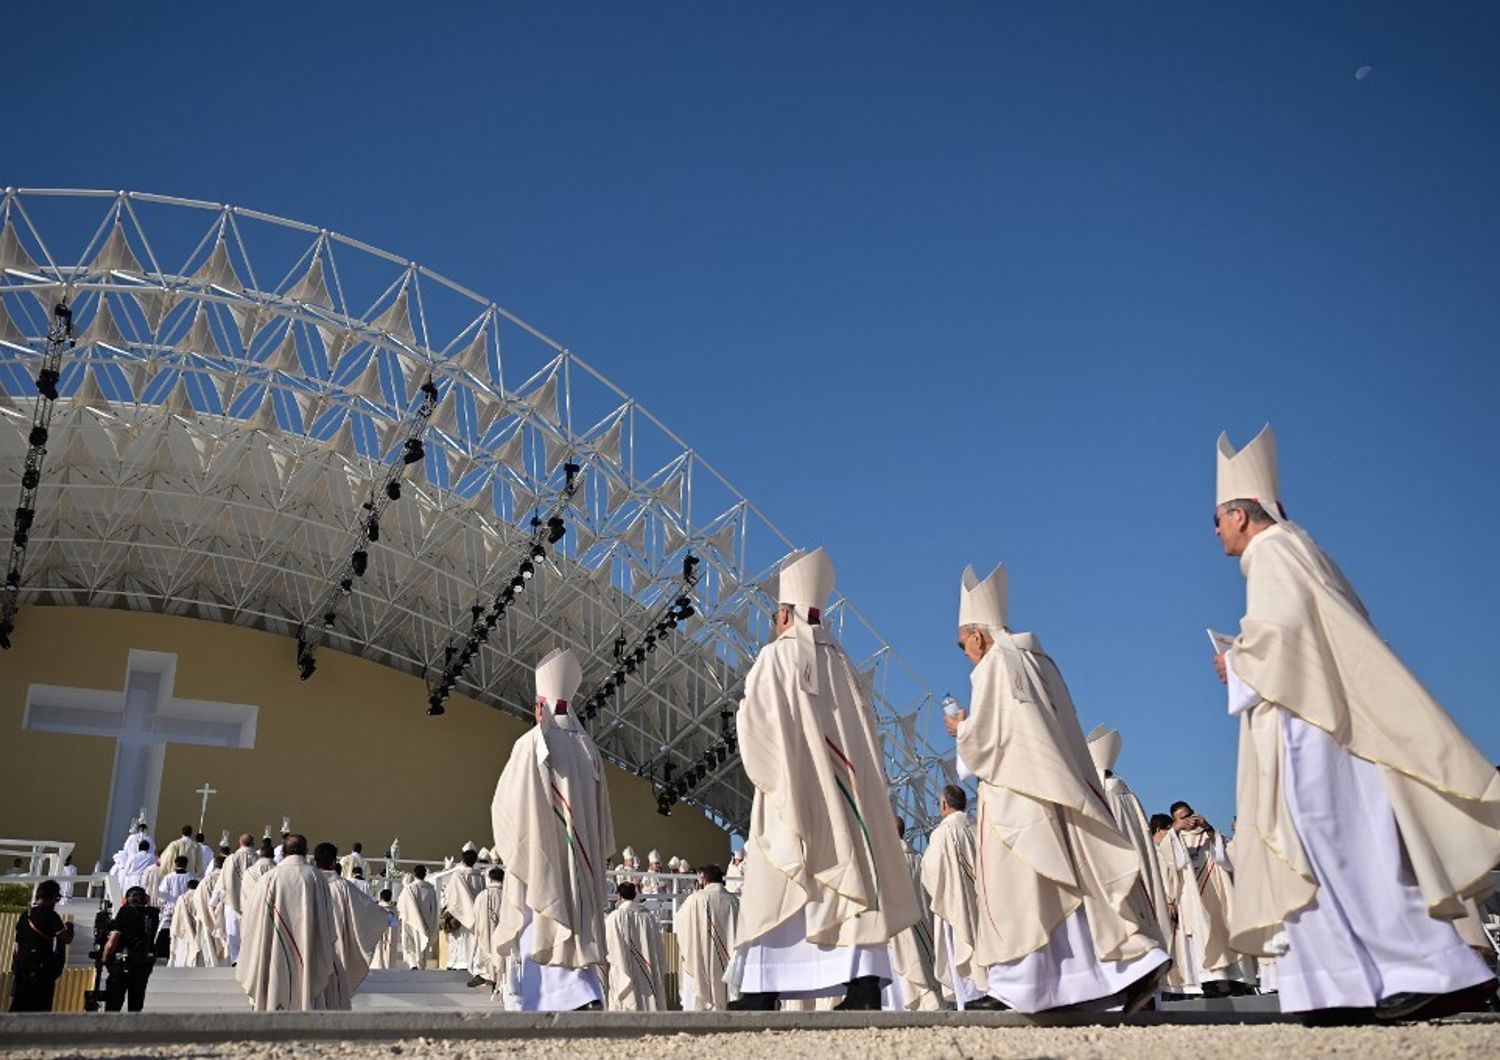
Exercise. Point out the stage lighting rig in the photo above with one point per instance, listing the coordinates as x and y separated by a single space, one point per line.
59 339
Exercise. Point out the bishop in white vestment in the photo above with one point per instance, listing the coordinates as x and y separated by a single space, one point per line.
388 946
553 832
1366 816
633 940
1105 745
459 891
358 925
826 884
232 885
1059 925
913 986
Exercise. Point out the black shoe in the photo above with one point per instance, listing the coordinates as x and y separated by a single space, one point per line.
1337 1017
863 995
592 1006
765 1002
1412 1006
986 1004
477 980
1142 992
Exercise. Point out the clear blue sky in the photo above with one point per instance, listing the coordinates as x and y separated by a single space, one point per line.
932 283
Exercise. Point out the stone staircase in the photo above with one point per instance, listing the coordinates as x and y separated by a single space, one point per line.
215 990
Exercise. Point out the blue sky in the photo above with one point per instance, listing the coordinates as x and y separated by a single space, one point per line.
932 283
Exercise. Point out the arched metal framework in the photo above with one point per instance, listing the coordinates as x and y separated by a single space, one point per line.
238 383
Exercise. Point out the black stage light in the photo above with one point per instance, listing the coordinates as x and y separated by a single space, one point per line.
538 553
690 568
31 478
413 451
374 528
329 618
19 538
359 559
306 666
475 611
435 707
667 624
571 470
13 577
393 489
6 629
556 528
630 665
527 568
346 586
620 643
430 389
482 634
37 439
24 516
46 383
517 584
640 655
685 607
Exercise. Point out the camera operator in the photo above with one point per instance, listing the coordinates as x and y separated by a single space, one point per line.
42 940
128 952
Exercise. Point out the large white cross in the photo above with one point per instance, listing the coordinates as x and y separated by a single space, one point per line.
143 719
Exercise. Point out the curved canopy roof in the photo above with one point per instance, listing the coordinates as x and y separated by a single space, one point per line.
239 386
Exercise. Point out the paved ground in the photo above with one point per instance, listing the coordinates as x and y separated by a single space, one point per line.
1453 1041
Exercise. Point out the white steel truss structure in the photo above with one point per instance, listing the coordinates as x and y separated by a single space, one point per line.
238 383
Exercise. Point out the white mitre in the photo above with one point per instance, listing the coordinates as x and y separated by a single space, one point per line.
672 864
653 858
984 603
806 581
628 854
558 676
485 855
1250 474
469 846
1104 748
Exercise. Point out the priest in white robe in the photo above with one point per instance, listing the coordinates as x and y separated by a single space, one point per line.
1105 745
355 859
487 908
358 924
633 941
1205 963
168 890
208 916
707 930
913 986
183 930
553 832
418 906
826 885
1059 926
459 891
1366 816
734 874
288 937
131 870
388 947
258 870
948 878
232 885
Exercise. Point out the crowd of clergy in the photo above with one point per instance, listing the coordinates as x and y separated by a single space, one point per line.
1367 829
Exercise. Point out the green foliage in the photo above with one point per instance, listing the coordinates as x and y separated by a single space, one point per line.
14 897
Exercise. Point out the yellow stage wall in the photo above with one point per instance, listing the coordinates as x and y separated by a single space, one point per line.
349 755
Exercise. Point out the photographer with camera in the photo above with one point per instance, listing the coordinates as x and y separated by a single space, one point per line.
42 939
128 952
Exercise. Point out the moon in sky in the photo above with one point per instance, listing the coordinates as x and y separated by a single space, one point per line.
1363 72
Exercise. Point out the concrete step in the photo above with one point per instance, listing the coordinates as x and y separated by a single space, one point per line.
396 990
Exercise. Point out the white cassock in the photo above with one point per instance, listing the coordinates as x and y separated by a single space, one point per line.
459 892
633 941
418 906
350 861
706 926
948 878
553 831
913 986
133 868
1059 923
388 948
172 887
823 859
358 926
1366 816
288 935
232 884
183 932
